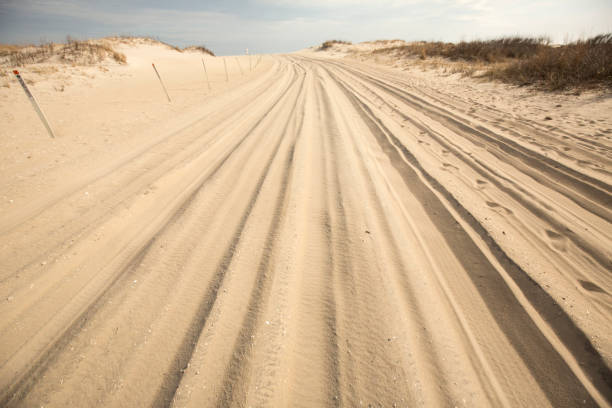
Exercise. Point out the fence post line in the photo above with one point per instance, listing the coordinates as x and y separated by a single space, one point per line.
225 65
34 103
239 66
206 73
162 83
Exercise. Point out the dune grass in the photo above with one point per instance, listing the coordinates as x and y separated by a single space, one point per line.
73 52
329 43
78 52
490 51
199 48
129 39
523 60
583 63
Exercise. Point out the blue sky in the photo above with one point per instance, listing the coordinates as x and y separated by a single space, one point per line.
274 26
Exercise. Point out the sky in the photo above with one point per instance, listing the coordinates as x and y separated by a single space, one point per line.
278 26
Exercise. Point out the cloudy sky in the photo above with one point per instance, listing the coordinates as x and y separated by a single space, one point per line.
271 26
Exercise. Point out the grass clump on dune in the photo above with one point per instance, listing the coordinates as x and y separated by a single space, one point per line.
577 64
524 61
131 40
199 48
497 50
329 43
76 52
73 51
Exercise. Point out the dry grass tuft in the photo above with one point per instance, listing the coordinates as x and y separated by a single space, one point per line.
584 63
76 52
522 61
73 52
199 48
329 43
172 47
497 50
131 40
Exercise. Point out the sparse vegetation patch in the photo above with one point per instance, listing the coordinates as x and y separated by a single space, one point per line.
77 52
329 43
521 61
128 39
73 52
581 63
199 48
490 51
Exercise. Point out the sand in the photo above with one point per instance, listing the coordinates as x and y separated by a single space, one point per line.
320 230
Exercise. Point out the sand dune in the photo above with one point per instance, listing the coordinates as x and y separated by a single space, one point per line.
315 231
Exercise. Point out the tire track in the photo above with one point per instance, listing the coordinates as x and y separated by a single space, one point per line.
493 116
233 389
495 293
432 369
57 283
341 368
233 386
303 252
136 177
495 394
536 165
480 167
187 201
42 205
485 171
168 390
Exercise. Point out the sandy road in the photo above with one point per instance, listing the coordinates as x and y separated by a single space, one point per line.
328 235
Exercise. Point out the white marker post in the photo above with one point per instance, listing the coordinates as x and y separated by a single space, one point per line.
250 64
34 103
225 65
239 66
206 73
162 83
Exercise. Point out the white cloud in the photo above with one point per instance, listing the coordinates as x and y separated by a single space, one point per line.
339 3
476 5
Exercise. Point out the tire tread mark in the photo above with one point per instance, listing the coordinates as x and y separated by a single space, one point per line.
172 378
596 190
597 256
27 380
497 299
232 388
15 223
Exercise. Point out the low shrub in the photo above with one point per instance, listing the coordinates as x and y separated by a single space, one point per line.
329 43
581 63
73 51
526 61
